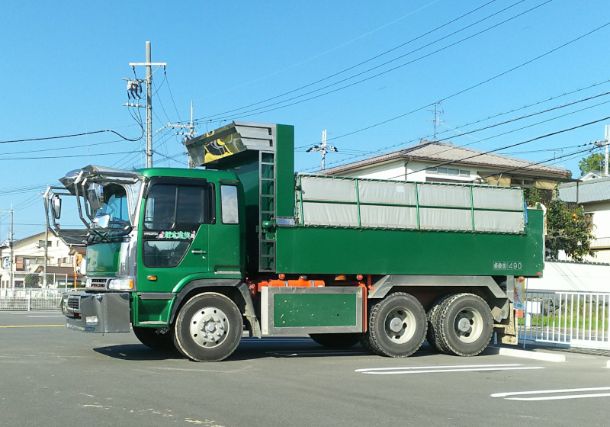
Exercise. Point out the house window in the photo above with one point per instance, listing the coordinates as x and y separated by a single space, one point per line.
441 170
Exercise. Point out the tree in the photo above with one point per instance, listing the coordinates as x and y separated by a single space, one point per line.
32 280
568 229
594 162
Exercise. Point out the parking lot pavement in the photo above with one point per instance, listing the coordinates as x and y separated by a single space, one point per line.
55 377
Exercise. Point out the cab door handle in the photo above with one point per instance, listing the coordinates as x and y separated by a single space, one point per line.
198 252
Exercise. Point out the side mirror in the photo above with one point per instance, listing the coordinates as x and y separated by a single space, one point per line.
56 206
95 196
102 221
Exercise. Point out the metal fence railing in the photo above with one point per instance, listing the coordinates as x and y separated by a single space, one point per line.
574 319
29 299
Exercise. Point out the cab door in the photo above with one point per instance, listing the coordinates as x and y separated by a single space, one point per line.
174 232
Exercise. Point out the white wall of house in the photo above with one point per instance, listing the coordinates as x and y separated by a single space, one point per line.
31 249
601 230
414 171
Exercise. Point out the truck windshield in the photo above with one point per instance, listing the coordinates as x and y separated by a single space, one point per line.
113 212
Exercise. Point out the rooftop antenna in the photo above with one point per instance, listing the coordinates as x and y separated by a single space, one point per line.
323 148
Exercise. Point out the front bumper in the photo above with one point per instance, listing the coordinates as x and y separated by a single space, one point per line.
102 312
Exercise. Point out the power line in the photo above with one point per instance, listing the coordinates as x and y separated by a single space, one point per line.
71 135
264 109
474 86
370 59
68 156
504 122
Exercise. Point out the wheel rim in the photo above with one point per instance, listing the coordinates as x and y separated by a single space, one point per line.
209 327
468 325
400 325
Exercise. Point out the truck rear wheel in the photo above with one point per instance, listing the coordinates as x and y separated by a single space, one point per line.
464 324
208 327
155 338
432 335
336 340
397 325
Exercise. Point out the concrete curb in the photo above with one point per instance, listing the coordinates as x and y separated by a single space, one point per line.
534 355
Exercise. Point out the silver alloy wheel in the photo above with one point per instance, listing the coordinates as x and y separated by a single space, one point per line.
400 325
468 325
209 327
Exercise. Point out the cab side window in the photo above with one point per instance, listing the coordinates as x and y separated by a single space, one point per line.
173 214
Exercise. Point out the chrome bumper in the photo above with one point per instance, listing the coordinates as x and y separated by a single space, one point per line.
102 312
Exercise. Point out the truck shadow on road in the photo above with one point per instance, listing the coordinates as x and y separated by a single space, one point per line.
249 349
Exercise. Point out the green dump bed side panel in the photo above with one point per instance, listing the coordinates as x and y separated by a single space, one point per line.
327 250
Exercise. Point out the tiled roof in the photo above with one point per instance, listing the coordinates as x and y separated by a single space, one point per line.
439 152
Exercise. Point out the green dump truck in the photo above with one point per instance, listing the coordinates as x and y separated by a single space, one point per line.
191 259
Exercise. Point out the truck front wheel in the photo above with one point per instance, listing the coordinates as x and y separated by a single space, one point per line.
208 327
397 325
464 324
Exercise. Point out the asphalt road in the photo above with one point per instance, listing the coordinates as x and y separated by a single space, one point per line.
50 376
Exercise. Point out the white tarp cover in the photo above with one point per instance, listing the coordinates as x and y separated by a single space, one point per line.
444 195
437 203
570 276
338 215
497 198
400 193
503 222
388 216
322 188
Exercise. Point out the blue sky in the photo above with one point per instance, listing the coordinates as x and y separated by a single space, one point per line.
63 64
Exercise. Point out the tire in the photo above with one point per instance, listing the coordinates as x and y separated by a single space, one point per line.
464 324
432 335
336 340
155 338
397 325
208 327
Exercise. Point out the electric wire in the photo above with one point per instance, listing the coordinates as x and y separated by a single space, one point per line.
366 61
265 109
474 86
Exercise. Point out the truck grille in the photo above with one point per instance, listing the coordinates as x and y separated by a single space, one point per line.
73 303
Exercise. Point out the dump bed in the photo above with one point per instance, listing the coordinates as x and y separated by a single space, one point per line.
353 225
315 224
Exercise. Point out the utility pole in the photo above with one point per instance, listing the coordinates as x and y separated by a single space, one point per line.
148 64
11 238
323 148
188 133
606 143
438 111
46 237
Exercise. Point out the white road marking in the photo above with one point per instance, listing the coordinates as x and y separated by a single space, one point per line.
554 394
446 368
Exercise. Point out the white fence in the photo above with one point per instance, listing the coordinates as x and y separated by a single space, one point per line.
574 319
31 299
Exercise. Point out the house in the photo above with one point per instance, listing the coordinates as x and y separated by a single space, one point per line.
433 161
28 259
594 196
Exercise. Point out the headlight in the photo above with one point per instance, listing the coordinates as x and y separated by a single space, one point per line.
88 282
121 284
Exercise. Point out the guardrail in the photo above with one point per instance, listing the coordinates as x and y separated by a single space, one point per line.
574 319
28 299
